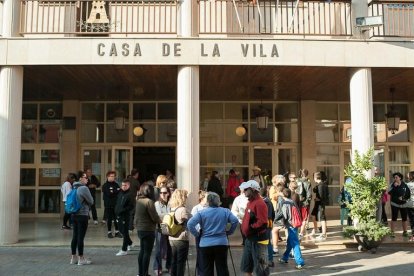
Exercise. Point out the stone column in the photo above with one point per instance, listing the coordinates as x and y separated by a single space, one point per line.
361 109
11 94
308 135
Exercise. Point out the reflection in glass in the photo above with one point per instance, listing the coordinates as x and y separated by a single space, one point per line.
50 156
93 112
211 156
211 112
111 110
398 155
92 133
236 156
380 132
286 112
92 159
27 201
167 111
327 155
236 112
379 113
29 111
144 112
29 133
112 135
345 112
326 131
211 132
326 111
231 136
167 132
286 133
27 157
287 159
263 159
399 136
49 133
27 177
49 201
49 177
257 136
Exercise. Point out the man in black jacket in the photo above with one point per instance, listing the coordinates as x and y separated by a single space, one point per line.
123 208
92 184
110 192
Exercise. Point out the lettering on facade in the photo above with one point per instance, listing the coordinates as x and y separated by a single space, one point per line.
247 50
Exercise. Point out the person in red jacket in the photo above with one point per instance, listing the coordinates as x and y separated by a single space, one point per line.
254 227
233 184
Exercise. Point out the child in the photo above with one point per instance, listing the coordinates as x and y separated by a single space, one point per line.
292 240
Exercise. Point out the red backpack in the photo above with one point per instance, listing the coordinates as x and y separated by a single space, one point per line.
296 217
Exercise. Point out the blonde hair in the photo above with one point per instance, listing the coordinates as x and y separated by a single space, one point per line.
201 195
178 198
161 180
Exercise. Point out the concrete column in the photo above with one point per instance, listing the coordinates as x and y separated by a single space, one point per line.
308 135
188 137
11 18
361 109
11 96
69 140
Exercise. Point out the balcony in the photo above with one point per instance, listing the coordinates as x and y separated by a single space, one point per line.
223 18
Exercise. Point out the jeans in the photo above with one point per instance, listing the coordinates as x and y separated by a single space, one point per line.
179 256
110 212
199 260
162 248
80 225
255 258
93 207
124 229
293 243
343 214
146 239
269 246
215 255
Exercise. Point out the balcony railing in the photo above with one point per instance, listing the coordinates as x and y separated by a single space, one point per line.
98 17
322 18
398 18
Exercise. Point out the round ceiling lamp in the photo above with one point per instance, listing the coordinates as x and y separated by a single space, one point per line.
138 131
240 131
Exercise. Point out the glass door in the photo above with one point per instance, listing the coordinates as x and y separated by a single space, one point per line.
121 160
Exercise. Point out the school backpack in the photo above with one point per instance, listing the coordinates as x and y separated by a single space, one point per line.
170 226
72 205
296 217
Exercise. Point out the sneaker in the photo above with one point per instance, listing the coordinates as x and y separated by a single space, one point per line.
110 235
271 264
73 260
64 227
121 253
95 222
299 267
275 252
118 235
129 248
84 261
321 237
282 261
405 234
103 221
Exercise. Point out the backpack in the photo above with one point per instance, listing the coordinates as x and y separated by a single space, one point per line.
170 226
296 217
72 205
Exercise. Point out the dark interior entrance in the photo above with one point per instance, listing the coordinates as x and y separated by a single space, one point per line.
152 161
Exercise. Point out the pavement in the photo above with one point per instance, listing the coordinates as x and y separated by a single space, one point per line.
43 249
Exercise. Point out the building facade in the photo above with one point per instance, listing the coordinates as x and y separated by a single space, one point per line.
196 87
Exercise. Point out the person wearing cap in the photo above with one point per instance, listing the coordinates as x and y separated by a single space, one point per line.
257 176
254 227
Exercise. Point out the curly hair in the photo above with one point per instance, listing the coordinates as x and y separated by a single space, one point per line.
178 198
161 181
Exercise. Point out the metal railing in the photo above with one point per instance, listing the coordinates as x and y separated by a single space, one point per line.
397 16
98 17
325 18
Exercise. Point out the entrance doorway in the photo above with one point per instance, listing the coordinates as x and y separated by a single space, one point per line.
152 161
274 160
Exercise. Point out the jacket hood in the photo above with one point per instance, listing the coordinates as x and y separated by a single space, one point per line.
76 184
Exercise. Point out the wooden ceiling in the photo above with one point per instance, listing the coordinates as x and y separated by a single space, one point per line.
120 82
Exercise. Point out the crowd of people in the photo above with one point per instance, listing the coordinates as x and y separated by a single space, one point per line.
262 212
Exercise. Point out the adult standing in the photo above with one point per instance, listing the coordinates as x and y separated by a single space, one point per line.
162 246
399 193
65 189
134 187
304 191
276 197
214 184
410 203
80 220
254 228
202 204
238 209
233 184
213 235
123 208
256 176
146 220
179 243
92 184
321 200
110 190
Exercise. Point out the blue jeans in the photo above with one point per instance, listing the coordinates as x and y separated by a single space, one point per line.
293 243
146 241
162 248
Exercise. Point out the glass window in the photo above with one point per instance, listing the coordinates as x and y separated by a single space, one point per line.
236 156
51 111
29 111
231 136
92 159
49 133
211 156
287 160
380 132
49 201
93 112
345 112
326 111
399 136
27 157
113 135
326 132
398 155
236 112
333 195
27 177
29 133
286 112
402 110
379 113
211 112
167 132
327 155
167 111
148 133
49 177
144 112
92 133
258 136
27 201
211 132
346 132
50 156
286 133
255 108
112 109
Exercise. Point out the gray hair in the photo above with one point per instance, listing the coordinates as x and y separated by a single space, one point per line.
213 199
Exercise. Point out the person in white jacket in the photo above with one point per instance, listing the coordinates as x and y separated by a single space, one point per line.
65 189
238 208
